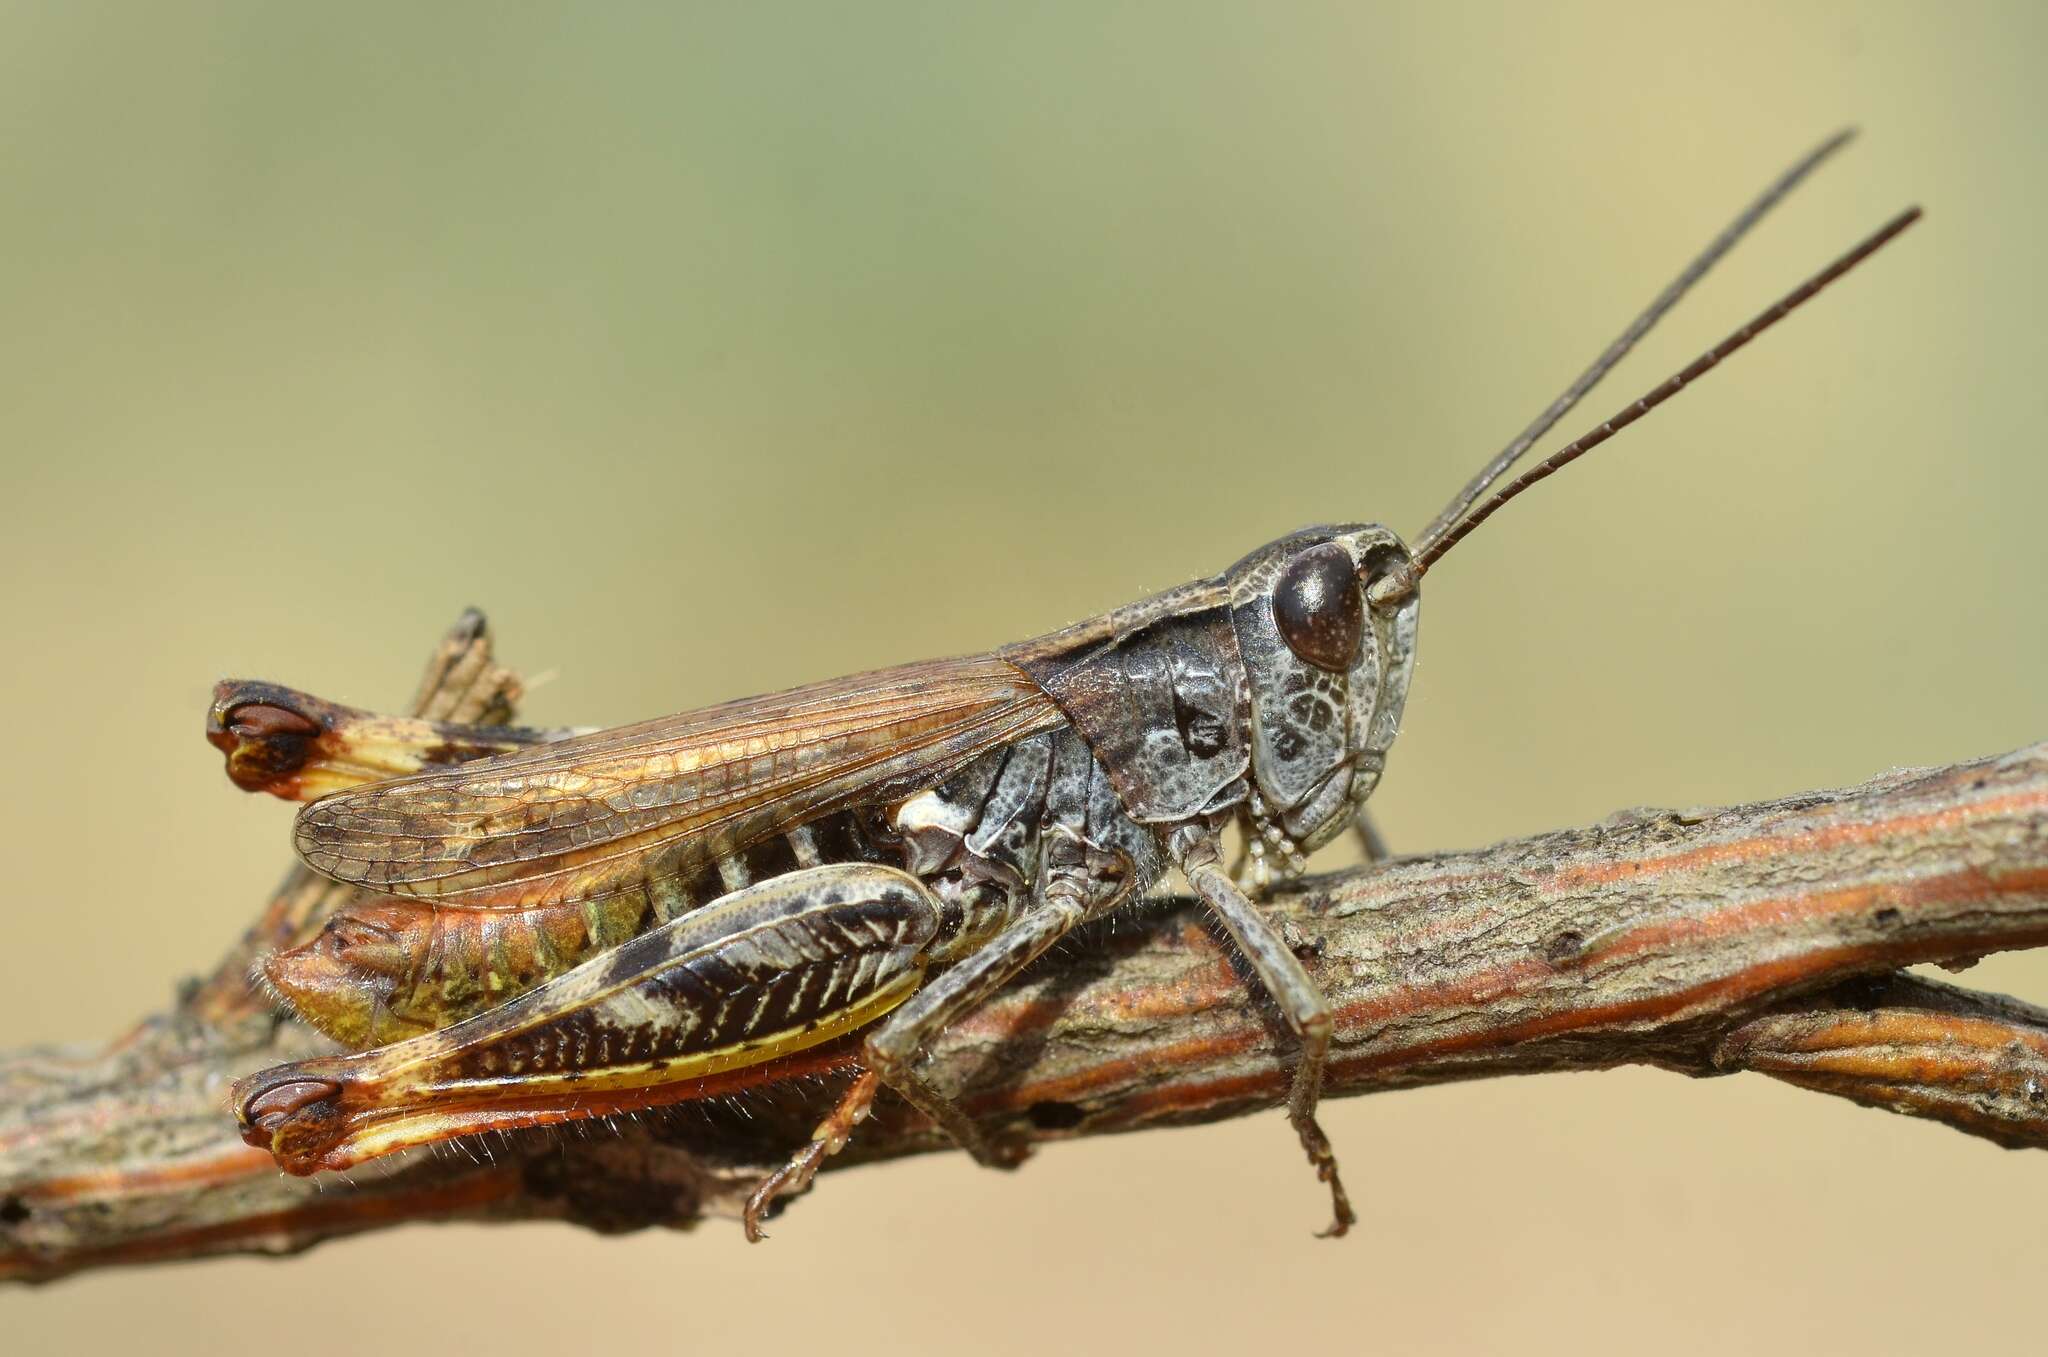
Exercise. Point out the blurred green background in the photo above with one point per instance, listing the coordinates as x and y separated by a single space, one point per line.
715 348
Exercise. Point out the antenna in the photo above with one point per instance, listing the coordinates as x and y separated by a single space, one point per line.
1637 328
1400 582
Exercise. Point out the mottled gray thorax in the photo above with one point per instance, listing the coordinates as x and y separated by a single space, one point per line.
998 832
1157 690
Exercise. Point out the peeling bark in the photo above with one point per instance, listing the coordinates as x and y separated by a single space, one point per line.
1766 937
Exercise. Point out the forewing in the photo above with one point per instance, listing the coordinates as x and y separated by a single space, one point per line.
580 817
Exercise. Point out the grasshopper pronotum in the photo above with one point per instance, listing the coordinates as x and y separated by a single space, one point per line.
558 927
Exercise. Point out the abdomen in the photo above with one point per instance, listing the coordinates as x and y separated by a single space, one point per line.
386 968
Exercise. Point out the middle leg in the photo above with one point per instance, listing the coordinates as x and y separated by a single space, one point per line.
895 1049
1370 841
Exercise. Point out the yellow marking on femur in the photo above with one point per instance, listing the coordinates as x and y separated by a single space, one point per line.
392 1129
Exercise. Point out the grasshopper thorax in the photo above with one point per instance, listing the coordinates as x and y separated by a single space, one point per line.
1271 690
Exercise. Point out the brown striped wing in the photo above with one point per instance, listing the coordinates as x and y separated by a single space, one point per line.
580 817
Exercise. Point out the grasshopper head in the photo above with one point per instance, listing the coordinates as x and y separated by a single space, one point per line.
1328 670
1325 619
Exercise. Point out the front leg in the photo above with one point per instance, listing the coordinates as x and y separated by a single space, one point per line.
1370 841
1301 1001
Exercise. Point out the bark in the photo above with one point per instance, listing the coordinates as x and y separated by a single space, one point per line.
1766 937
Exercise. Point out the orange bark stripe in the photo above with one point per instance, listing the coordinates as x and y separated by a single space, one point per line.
334 1214
222 1165
1763 846
1477 990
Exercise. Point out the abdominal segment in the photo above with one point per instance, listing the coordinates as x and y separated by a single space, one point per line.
383 969
769 969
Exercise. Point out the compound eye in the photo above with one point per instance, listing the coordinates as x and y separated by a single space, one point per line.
1318 608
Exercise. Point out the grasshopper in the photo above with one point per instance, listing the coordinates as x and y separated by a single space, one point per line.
556 923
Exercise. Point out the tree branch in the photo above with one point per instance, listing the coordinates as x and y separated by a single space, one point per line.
1765 937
